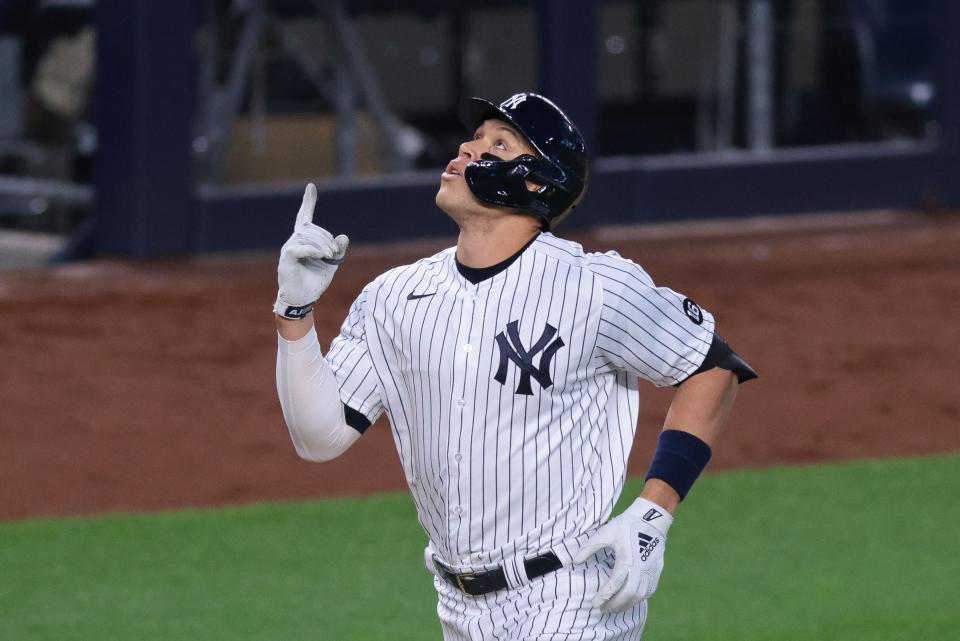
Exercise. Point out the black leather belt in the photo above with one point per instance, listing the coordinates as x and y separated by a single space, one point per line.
477 583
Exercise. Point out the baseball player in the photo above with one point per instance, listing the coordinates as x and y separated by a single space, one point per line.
508 367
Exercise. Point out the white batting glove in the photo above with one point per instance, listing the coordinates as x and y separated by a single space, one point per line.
638 538
308 261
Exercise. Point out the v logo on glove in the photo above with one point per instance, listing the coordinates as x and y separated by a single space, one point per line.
651 515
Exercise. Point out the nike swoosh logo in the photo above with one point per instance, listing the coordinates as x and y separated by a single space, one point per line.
412 296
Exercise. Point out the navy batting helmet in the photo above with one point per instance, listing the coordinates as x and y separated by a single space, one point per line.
561 171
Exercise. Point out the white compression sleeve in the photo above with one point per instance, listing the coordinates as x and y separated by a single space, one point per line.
311 400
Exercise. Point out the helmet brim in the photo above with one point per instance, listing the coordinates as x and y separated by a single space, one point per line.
474 112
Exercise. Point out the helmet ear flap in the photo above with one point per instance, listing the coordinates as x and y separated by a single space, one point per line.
504 183
545 174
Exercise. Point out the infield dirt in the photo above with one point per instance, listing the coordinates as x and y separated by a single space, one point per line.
150 385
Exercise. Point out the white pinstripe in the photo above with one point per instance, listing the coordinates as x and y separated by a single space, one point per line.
498 475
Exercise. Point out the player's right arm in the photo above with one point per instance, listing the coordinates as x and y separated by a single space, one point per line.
292 330
310 399
306 385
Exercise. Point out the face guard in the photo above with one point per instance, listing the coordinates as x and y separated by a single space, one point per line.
562 171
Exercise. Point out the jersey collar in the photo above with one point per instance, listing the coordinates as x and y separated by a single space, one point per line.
476 275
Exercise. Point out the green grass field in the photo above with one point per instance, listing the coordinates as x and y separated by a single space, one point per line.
849 552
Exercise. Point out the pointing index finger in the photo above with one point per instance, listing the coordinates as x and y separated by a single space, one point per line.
305 215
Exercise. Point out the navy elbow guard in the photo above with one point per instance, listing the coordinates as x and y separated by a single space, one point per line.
720 355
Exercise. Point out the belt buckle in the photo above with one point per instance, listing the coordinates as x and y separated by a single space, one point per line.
453 577
459 580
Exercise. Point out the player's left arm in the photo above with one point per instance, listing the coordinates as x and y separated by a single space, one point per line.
668 340
700 408
638 536
697 414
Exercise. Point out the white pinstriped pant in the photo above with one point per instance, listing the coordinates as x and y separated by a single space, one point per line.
552 607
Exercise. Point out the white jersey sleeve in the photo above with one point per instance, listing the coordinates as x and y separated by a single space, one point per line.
650 331
350 361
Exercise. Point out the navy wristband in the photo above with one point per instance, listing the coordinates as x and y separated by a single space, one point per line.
679 459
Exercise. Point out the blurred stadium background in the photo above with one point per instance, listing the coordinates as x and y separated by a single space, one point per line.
792 164
145 129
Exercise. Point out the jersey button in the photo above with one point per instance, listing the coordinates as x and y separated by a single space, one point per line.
468 348
461 403
458 510
457 457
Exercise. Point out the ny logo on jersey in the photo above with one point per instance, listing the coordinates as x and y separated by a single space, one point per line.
512 349
513 101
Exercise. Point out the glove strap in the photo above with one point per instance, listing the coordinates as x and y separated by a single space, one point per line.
291 312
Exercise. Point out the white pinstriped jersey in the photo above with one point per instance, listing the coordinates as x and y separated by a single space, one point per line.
514 401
